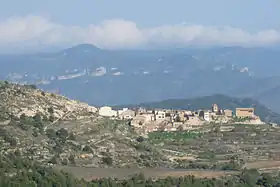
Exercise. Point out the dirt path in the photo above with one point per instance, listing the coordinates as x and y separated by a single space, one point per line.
266 164
91 173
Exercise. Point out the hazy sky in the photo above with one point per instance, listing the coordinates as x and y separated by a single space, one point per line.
131 23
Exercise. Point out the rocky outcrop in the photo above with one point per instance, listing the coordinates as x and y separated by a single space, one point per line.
20 99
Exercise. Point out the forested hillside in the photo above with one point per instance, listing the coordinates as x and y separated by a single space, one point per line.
18 172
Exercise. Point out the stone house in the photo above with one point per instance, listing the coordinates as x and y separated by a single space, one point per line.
228 113
127 114
141 120
245 112
160 115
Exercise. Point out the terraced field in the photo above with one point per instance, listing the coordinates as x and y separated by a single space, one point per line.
222 145
209 151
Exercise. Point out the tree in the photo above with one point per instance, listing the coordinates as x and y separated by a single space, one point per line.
250 177
140 139
51 118
35 133
53 160
72 159
38 121
51 110
64 161
37 117
13 142
87 149
22 117
58 148
107 160
31 86
17 153
51 134
71 136
62 133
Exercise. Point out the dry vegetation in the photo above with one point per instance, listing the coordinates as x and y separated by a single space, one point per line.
84 139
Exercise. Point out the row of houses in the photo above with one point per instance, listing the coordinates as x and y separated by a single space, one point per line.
159 114
152 120
239 112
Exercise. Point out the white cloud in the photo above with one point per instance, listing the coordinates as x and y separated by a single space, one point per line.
120 33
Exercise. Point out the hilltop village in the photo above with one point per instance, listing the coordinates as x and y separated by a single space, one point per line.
173 120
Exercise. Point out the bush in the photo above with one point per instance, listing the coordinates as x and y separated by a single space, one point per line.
31 86
51 134
24 126
107 160
37 118
17 153
140 139
53 160
71 136
58 148
35 133
72 159
64 162
62 133
51 110
13 142
87 149
51 118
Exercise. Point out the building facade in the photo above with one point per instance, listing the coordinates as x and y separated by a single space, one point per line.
245 112
160 115
228 113
207 116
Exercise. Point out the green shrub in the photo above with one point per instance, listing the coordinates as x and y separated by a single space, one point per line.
107 160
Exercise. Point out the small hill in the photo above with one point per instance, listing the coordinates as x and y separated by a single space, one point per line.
58 131
222 101
26 99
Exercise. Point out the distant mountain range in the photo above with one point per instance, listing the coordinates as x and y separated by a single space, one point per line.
224 102
106 77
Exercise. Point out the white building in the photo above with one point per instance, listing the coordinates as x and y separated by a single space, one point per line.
107 112
160 115
207 116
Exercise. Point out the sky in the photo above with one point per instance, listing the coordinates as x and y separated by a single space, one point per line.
118 24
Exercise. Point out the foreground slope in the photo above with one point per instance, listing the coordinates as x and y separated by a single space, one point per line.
96 142
53 129
25 173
